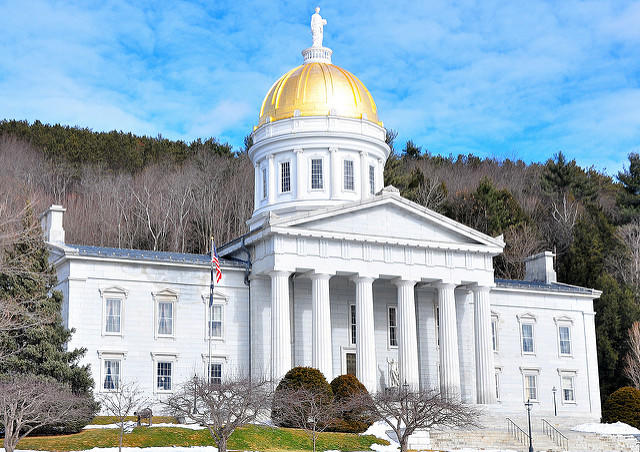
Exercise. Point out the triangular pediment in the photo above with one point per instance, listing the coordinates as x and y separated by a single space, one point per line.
390 216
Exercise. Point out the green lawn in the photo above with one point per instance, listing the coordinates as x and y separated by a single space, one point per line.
248 438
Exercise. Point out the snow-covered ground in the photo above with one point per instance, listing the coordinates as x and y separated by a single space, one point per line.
618 428
381 430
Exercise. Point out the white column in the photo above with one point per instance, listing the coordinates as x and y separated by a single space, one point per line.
485 371
364 176
365 337
321 324
273 176
335 172
448 334
280 325
300 185
407 336
257 187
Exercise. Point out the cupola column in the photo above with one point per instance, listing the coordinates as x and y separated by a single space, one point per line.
335 173
364 179
448 336
272 175
321 324
300 185
485 372
280 325
257 187
365 333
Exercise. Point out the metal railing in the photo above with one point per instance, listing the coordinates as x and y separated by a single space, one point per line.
517 432
555 435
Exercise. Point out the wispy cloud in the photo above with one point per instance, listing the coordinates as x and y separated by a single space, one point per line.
491 78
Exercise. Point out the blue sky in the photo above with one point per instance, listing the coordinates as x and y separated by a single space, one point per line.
512 79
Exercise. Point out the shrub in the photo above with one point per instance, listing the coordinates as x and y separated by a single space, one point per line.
351 421
623 406
297 378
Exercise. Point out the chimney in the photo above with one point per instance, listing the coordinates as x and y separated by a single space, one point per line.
539 267
51 222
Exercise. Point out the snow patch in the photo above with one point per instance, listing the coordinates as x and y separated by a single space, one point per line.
618 428
381 430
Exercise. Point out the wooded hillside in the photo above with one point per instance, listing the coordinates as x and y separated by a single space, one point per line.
140 192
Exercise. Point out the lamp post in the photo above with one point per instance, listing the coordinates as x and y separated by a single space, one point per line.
555 409
529 405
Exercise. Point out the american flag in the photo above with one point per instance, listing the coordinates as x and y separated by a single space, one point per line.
215 262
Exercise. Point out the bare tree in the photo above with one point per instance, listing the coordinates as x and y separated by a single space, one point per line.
627 265
521 241
221 407
406 411
312 410
632 360
121 402
28 402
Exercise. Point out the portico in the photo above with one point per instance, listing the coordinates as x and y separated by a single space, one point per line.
311 273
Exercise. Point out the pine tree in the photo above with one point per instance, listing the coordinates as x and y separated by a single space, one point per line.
629 197
40 350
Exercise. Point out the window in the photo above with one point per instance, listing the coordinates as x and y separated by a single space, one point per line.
316 174
163 375
265 182
564 336
393 327
350 359
531 387
111 374
372 179
568 393
348 175
494 333
497 377
215 373
285 177
165 318
113 314
527 338
352 324
215 321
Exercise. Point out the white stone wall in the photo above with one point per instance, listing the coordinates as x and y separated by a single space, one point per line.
137 344
547 308
81 282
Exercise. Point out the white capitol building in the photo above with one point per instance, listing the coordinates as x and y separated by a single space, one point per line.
345 275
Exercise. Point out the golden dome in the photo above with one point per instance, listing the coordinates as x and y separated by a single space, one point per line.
318 89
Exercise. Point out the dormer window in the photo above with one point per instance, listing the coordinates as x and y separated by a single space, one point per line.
285 177
349 184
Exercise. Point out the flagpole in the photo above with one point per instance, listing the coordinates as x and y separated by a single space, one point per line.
210 315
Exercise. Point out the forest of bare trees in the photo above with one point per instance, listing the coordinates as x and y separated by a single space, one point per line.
165 206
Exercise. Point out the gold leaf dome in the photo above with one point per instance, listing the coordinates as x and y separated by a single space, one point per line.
318 89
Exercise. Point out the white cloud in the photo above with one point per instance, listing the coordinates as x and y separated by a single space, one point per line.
490 77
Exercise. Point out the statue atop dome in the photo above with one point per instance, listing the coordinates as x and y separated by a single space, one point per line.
317 28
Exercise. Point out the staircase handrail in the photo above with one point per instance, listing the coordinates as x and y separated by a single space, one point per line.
555 434
517 432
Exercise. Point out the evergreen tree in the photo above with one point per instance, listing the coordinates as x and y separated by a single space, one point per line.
616 310
40 350
411 150
629 197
